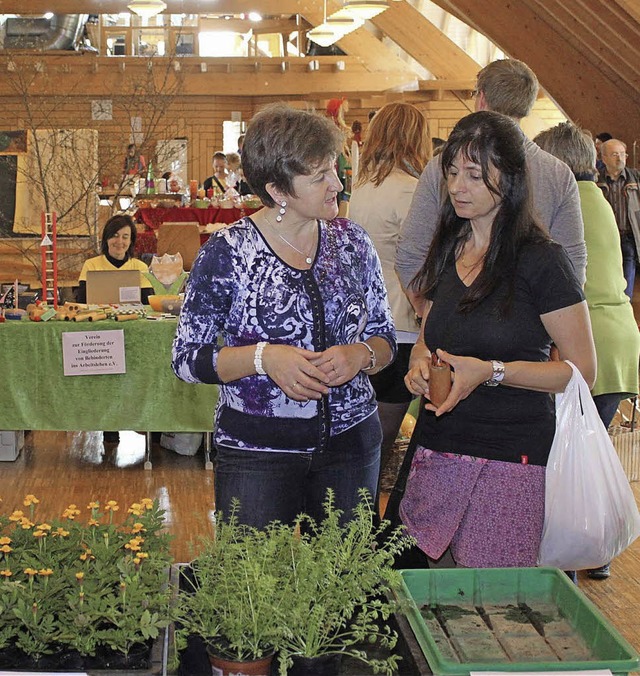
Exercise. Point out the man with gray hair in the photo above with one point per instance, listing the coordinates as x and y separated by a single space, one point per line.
509 87
620 185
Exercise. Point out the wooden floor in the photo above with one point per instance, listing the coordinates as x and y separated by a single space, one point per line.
61 468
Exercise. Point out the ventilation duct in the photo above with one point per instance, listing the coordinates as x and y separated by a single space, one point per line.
61 31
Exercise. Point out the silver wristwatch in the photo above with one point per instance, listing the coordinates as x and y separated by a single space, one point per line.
498 373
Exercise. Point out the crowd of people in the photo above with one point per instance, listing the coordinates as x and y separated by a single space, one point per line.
374 257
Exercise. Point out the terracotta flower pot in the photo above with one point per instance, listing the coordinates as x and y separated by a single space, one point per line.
223 667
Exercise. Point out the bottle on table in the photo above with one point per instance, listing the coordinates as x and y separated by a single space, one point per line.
151 186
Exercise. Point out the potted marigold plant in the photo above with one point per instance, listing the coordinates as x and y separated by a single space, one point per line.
82 594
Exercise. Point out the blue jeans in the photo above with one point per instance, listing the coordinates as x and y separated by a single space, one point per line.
279 486
628 261
607 405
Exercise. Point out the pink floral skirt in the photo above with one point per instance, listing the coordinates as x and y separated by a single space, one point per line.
490 513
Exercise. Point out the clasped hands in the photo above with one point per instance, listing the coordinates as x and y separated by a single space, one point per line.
303 374
466 374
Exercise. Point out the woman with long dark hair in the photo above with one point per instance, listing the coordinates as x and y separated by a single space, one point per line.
498 294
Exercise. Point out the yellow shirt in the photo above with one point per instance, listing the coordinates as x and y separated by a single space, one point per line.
101 263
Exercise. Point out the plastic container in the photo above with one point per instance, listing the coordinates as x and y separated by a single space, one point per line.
509 619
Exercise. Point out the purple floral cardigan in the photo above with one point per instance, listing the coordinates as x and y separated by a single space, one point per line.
240 292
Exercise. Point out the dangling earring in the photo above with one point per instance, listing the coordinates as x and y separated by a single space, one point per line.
283 211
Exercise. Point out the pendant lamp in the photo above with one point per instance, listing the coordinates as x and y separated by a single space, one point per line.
324 34
365 9
146 8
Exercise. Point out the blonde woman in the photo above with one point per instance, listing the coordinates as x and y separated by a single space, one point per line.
396 149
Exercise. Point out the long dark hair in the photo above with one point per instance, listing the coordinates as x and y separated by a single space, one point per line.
490 140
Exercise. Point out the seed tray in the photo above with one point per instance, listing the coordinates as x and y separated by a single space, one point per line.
509 619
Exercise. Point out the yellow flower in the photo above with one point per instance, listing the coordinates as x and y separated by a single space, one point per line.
30 500
93 505
61 532
147 503
25 523
93 522
87 555
30 571
137 560
136 508
5 541
79 577
132 545
39 534
5 549
16 516
142 555
45 572
70 512
44 526
138 528
112 506
6 573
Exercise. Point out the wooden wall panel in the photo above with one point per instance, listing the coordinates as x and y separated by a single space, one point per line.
198 119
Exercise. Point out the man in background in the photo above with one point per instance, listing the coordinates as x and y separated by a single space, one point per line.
219 179
509 87
620 185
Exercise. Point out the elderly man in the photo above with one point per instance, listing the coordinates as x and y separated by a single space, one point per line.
620 185
509 87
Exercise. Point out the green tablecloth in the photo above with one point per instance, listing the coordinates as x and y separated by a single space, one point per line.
35 394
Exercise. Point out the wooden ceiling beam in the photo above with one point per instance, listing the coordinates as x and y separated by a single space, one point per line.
102 76
566 70
425 42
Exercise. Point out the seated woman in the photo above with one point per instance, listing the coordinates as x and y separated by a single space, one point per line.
498 293
118 243
297 298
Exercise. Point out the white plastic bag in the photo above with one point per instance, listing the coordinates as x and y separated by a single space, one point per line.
591 514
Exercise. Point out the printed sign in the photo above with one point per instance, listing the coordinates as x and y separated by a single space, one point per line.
88 353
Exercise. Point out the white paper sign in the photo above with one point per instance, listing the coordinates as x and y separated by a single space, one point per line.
86 353
129 294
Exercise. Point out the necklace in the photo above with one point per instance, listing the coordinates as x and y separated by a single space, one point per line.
307 257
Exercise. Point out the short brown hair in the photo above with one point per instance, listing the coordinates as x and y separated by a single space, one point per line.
509 86
570 144
282 143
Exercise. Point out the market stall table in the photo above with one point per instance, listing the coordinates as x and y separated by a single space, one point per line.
153 217
148 397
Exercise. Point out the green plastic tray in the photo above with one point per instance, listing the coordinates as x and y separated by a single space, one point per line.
509 619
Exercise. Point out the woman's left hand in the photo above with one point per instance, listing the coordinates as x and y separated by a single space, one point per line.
468 373
340 362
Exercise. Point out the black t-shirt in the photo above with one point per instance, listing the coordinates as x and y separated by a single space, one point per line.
500 423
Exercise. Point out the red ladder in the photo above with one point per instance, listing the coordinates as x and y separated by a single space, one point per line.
49 258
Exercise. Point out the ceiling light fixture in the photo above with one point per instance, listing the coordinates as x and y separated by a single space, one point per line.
365 9
323 34
344 22
146 8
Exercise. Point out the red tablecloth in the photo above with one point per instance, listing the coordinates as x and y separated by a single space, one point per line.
153 218
146 241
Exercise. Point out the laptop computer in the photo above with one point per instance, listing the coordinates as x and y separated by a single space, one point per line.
113 287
